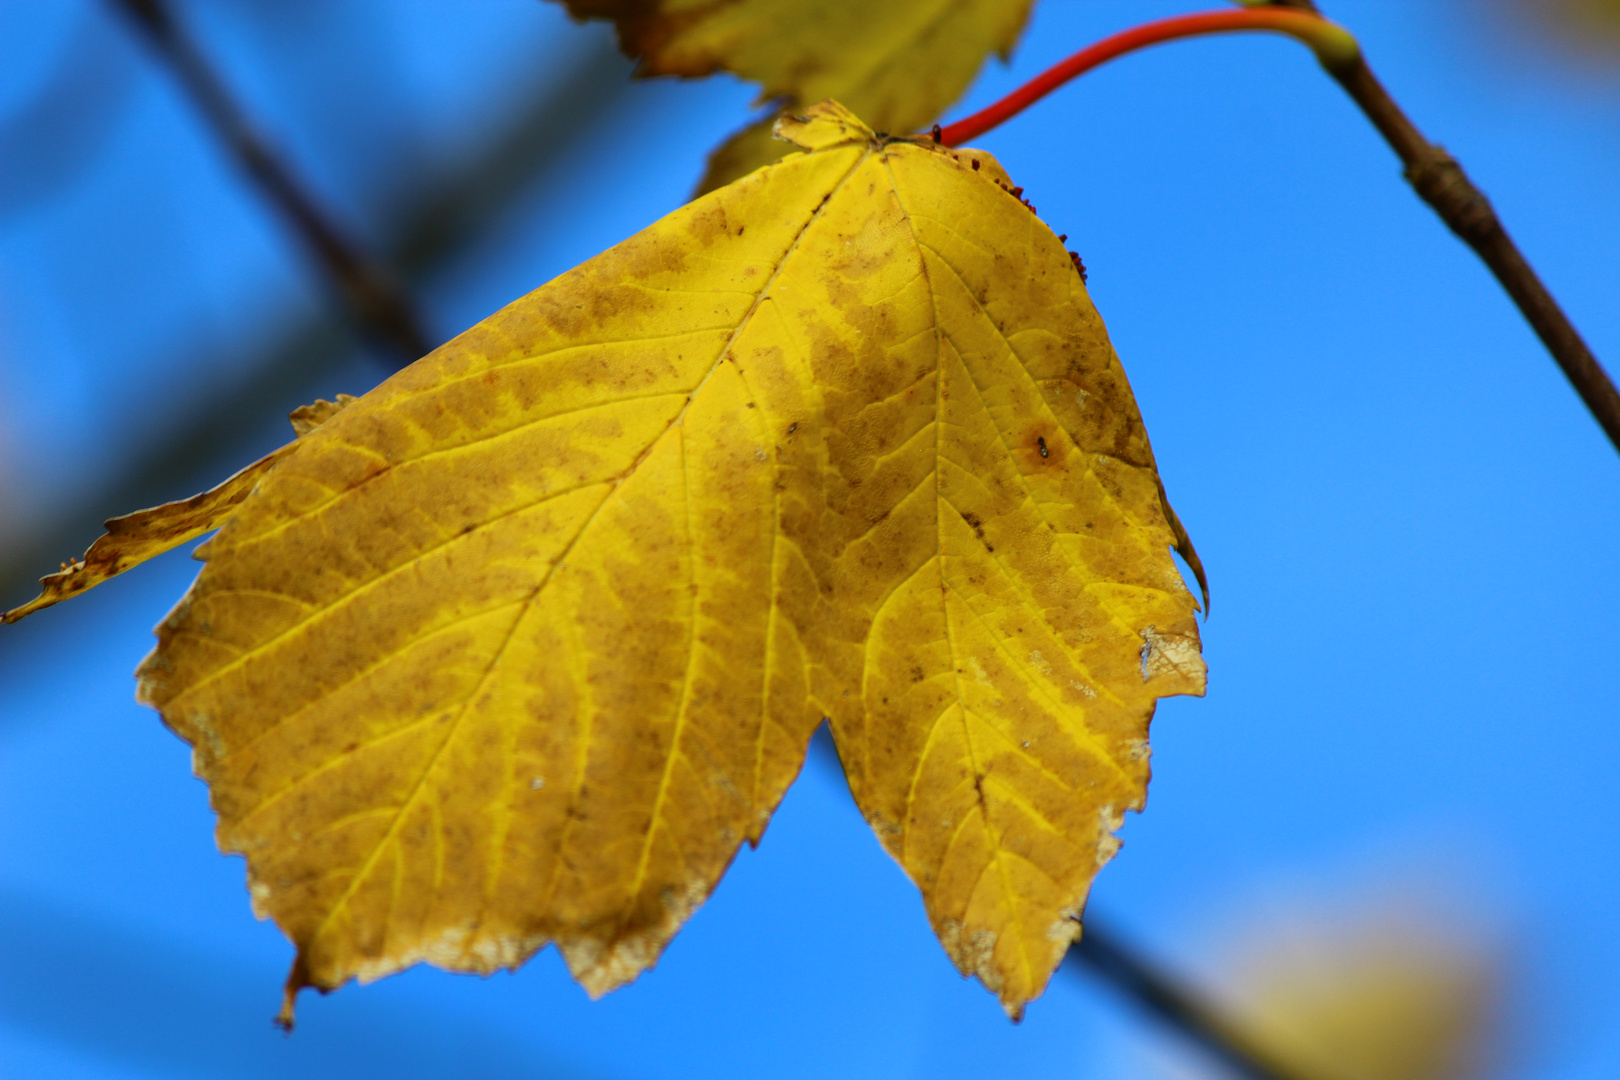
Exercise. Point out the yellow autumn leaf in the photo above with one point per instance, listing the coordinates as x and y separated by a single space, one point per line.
521 646
898 65
754 147
132 539
1384 992
1389 1010
1589 25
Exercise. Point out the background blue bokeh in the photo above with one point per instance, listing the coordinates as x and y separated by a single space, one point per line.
1408 519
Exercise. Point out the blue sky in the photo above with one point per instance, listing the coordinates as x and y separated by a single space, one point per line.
1407 518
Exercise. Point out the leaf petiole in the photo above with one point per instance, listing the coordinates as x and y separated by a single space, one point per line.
1333 45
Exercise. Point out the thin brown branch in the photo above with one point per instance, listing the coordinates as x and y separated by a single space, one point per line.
1441 182
370 292
1178 1007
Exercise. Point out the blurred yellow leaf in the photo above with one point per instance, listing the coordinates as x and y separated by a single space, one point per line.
755 146
1588 22
897 64
132 539
522 645
1590 15
1384 998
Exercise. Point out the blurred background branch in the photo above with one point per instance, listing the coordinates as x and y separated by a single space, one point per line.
436 223
1173 1003
371 292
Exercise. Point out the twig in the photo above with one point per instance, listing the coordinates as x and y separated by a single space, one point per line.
372 295
1433 173
1176 1006
1441 182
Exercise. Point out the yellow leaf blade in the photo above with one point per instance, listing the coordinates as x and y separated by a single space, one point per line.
494 661
1011 607
521 646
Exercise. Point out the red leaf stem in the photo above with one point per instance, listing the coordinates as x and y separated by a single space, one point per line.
1333 46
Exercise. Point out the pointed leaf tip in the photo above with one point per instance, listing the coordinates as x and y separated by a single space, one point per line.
145 534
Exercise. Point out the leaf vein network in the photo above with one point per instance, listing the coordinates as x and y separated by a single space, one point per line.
939 538
725 350
409 643
370 583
